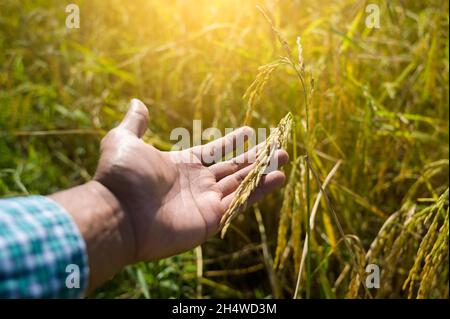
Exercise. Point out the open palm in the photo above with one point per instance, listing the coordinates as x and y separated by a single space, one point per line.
173 201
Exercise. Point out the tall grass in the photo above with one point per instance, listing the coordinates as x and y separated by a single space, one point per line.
369 149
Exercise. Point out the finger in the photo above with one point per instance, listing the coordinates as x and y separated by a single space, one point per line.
222 146
229 184
268 184
223 169
136 118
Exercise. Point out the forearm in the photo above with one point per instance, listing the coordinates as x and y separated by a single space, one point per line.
104 226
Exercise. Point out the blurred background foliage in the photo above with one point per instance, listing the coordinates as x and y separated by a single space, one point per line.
380 104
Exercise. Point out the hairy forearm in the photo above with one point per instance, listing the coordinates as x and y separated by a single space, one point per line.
104 226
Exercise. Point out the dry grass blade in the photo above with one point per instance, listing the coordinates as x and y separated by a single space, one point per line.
277 139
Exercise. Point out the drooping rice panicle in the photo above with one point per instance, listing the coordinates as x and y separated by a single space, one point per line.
277 139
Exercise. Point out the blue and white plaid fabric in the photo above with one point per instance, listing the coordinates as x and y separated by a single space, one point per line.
41 250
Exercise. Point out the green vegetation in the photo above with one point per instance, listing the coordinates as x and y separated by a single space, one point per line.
371 110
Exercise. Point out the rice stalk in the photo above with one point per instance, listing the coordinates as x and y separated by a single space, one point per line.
356 263
203 90
277 139
415 241
299 68
267 256
297 217
384 238
199 266
357 275
301 61
432 251
355 281
285 255
278 34
311 225
285 215
433 261
254 91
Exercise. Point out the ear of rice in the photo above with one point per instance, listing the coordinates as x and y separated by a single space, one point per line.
278 138
256 88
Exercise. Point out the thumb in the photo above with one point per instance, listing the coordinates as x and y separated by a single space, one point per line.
136 118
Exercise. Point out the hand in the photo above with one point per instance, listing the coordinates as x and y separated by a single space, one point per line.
172 201
145 204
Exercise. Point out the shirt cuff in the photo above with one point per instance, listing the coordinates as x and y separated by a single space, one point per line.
42 253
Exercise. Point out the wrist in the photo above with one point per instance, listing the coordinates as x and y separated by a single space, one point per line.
105 228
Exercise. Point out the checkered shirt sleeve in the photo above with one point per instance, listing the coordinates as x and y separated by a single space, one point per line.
42 253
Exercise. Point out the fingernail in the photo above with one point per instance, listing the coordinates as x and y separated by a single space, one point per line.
135 102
